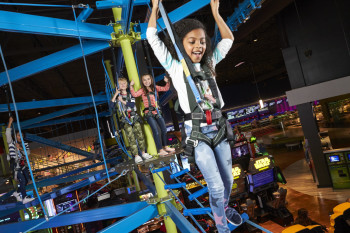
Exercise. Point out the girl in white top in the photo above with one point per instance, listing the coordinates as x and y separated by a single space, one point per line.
214 163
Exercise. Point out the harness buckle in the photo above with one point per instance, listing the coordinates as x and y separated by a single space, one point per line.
194 142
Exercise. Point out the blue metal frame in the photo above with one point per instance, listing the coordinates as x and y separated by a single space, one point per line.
56 114
53 60
52 103
99 37
109 212
85 14
7 209
58 145
133 221
176 15
67 120
180 221
33 24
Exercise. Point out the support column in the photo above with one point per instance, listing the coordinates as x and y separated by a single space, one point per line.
310 129
162 193
133 75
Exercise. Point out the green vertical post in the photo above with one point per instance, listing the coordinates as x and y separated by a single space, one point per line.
125 43
6 151
162 193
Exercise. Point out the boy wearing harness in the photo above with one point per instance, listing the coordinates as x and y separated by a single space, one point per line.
18 164
130 121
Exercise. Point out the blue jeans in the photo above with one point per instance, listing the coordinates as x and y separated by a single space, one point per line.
159 137
23 178
216 167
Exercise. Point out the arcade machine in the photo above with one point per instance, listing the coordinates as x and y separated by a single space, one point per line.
338 166
241 154
239 188
262 179
64 202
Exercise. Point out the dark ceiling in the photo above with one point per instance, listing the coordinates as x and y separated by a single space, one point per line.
258 42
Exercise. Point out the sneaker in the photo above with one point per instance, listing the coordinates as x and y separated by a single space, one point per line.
147 156
233 216
27 199
17 196
138 159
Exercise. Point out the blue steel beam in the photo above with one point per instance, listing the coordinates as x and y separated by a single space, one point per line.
107 4
85 14
58 145
180 221
60 178
67 120
109 212
131 222
52 103
7 209
53 60
56 114
33 24
176 15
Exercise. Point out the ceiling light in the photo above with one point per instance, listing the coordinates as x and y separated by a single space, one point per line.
261 104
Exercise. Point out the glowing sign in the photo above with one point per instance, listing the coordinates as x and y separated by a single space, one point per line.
236 172
262 164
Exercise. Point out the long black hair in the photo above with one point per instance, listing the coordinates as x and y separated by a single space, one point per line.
182 28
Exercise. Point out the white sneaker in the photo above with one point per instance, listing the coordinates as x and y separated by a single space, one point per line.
17 196
138 159
147 156
27 199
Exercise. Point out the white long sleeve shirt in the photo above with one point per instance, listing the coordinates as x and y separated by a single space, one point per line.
175 69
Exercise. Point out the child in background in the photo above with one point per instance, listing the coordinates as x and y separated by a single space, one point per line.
152 116
18 164
134 131
214 163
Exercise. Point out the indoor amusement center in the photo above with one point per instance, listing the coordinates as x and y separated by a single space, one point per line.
174 116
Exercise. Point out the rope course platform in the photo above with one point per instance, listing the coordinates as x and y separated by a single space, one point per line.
93 38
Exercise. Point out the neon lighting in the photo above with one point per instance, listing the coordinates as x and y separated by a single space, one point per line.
262 164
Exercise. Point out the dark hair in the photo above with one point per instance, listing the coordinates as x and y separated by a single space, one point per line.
145 90
182 28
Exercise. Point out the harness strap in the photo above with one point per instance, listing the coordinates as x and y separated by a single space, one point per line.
200 116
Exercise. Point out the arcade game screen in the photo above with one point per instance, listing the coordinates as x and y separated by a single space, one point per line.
349 156
334 158
239 151
67 205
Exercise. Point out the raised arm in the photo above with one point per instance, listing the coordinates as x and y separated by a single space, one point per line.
164 88
152 22
225 31
132 91
9 131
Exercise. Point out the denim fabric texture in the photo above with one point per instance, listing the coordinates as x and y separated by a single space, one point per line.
216 167
159 135
23 179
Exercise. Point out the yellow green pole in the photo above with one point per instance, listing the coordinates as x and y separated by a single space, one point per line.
133 75
6 151
162 193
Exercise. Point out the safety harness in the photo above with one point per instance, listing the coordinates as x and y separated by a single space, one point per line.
198 115
151 108
129 114
211 116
